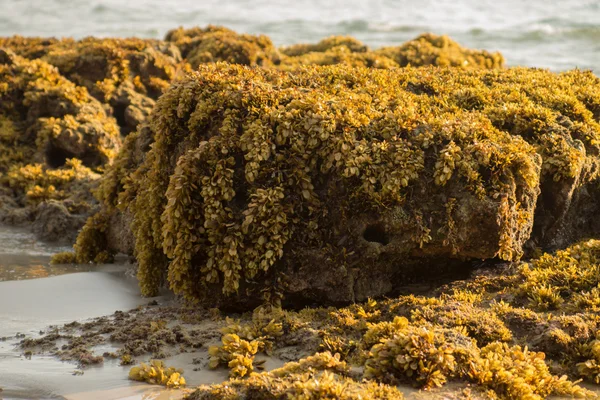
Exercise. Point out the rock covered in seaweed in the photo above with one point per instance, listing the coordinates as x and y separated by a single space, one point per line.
334 184
431 49
126 74
217 43
47 118
427 49
52 134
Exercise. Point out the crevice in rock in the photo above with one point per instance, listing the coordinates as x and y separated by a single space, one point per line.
376 233
56 157
119 114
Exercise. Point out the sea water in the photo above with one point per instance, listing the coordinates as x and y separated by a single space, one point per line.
558 35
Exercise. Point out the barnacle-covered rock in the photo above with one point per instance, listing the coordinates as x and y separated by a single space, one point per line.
430 49
329 184
216 43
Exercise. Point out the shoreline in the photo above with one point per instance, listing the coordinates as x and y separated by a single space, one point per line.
333 219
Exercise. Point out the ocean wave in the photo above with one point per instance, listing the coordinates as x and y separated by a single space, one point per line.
521 30
556 28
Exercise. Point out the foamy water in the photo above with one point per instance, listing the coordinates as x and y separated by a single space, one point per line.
557 35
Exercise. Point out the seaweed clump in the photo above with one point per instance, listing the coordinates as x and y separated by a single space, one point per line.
156 373
321 376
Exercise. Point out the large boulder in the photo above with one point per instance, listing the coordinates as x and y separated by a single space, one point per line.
333 184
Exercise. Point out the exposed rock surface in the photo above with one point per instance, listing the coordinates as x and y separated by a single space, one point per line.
54 222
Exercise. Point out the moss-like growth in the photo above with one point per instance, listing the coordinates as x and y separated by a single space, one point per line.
430 49
156 373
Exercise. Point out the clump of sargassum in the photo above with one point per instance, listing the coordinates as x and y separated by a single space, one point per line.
157 373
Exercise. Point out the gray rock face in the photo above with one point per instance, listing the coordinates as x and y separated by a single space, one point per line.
54 223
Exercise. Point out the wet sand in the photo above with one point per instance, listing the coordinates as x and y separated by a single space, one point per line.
28 306
34 296
32 299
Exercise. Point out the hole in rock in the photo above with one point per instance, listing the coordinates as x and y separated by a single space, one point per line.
119 114
56 157
376 234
